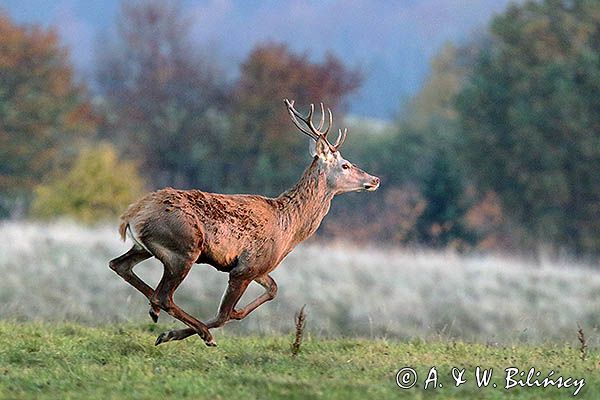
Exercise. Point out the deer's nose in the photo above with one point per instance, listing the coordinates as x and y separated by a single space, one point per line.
373 185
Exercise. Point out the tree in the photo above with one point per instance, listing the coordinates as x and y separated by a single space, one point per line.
437 165
164 100
96 187
43 113
530 119
443 219
265 154
423 180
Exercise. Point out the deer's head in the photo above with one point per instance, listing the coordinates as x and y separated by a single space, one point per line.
341 175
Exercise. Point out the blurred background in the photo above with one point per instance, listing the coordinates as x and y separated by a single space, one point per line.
481 118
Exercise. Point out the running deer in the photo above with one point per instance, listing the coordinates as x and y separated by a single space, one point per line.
246 236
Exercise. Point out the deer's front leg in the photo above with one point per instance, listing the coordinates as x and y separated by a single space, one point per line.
270 292
235 289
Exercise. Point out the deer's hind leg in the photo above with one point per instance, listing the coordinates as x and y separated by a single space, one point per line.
176 269
123 265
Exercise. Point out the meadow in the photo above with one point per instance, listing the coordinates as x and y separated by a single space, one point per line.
71 361
71 328
59 272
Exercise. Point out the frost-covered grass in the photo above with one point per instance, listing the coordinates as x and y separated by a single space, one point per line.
59 272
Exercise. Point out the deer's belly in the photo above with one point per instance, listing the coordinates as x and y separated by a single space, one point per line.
219 263
221 254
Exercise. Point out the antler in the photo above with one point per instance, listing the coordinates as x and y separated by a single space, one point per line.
312 132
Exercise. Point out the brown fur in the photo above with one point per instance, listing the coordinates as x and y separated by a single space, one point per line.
222 227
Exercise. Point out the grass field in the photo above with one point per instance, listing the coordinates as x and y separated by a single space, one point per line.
59 272
72 329
70 361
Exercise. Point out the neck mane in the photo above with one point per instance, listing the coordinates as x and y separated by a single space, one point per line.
303 207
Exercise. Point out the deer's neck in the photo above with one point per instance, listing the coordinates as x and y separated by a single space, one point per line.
303 207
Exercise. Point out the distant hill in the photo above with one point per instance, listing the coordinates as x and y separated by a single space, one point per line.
391 41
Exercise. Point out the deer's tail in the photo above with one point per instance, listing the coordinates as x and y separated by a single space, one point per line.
124 219
123 228
130 215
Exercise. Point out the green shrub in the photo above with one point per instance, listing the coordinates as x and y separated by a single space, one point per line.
98 186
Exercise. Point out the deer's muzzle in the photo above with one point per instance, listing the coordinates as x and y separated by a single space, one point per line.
373 185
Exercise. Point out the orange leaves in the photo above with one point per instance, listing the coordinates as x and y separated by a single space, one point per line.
41 110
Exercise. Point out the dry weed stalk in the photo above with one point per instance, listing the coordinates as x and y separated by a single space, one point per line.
300 319
583 341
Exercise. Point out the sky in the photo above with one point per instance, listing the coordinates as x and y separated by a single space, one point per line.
391 42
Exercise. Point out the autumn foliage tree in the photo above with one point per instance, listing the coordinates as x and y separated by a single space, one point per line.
272 155
43 112
530 120
163 99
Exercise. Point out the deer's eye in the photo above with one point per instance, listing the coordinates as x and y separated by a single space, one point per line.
345 166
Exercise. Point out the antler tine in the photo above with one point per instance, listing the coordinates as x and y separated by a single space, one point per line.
317 131
313 132
294 115
330 122
309 121
322 118
341 138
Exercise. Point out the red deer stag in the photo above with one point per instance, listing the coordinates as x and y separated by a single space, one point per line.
246 236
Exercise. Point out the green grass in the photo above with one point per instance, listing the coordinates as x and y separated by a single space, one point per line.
69 361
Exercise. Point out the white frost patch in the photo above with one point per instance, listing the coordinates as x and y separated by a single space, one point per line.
60 271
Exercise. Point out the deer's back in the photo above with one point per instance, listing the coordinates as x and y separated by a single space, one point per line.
222 227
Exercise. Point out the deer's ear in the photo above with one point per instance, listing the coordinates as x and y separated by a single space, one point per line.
320 149
312 147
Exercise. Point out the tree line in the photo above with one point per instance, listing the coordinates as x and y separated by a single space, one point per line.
499 149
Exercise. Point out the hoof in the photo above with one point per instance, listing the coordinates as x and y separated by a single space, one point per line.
211 343
163 338
154 315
